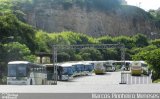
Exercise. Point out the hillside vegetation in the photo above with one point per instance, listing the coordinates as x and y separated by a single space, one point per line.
29 40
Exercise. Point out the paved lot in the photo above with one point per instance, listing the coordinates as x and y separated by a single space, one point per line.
143 79
89 84
110 78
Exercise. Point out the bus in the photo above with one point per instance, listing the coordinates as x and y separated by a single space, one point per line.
65 71
109 65
119 64
99 67
78 68
145 69
136 68
86 67
140 67
26 73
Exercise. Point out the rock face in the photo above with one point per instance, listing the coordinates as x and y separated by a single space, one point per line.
123 20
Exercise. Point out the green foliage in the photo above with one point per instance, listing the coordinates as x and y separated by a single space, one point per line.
151 54
23 33
43 41
106 40
127 41
17 51
63 57
5 6
153 58
140 53
140 40
91 54
27 40
110 54
78 57
73 38
155 14
156 42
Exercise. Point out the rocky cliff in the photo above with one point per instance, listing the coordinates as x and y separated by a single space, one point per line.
121 20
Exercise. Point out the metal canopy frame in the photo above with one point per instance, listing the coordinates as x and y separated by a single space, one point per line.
55 48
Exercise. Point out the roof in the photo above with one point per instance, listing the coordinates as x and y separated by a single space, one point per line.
18 62
65 64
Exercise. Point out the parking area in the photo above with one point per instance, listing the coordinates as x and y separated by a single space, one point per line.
143 79
108 83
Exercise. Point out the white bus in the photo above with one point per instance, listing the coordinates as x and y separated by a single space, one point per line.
26 73
120 64
109 65
145 68
140 67
99 67
136 68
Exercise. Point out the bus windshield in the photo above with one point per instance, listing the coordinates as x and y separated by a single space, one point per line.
17 70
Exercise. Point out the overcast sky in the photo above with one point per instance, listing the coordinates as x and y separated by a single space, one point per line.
145 4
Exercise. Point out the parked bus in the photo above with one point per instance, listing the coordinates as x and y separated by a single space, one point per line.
99 67
145 69
79 69
65 71
136 68
120 64
26 73
109 65
140 67
86 67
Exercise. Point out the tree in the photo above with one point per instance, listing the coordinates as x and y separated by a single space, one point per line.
150 54
153 59
16 51
109 54
156 42
141 53
5 6
91 54
43 41
61 57
106 40
23 33
127 41
140 40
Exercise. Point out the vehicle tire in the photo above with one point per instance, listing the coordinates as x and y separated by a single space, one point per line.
31 83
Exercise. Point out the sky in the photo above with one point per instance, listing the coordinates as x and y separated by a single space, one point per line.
145 4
